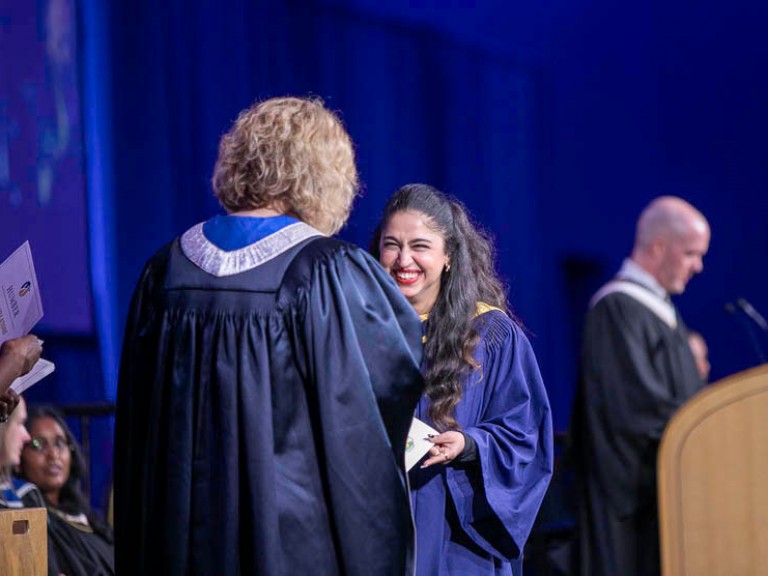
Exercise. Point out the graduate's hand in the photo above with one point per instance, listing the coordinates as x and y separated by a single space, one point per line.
446 447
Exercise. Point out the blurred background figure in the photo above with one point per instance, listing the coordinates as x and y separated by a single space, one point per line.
637 369
700 353
13 436
80 541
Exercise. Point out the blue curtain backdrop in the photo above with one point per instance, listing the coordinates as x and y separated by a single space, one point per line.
554 122
420 106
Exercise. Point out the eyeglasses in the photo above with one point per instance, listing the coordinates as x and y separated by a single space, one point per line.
60 445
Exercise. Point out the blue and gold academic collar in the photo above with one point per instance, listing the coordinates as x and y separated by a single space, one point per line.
480 309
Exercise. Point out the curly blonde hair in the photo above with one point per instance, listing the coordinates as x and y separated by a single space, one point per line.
292 155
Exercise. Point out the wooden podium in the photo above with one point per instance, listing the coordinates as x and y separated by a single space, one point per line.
713 481
24 542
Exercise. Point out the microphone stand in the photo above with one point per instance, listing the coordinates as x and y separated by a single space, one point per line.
750 311
749 326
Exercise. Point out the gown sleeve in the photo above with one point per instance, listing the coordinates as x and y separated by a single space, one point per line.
363 351
133 445
498 497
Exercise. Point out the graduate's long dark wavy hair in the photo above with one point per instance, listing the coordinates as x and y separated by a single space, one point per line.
72 500
450 335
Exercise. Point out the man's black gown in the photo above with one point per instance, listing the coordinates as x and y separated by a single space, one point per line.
262 418
636 371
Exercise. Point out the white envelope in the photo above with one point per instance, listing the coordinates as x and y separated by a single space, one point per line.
417 444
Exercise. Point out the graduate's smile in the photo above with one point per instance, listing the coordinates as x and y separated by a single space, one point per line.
414 255
406 277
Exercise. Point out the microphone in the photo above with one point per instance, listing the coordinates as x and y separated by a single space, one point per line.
750 311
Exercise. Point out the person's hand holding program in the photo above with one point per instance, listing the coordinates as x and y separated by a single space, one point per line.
17 357
22 352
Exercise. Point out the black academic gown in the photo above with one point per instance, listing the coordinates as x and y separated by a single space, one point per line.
636 371
262 418
74 549
79 551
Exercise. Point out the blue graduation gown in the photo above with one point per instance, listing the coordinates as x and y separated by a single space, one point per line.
262 416
474 519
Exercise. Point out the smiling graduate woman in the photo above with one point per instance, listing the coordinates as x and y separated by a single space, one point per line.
477 493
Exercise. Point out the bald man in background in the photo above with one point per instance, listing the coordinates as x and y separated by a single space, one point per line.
636 370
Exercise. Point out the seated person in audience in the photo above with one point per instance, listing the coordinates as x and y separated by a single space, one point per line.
700 353
79 539
16 493
13 436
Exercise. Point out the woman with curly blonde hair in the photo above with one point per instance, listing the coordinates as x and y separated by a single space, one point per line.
293 156
269 375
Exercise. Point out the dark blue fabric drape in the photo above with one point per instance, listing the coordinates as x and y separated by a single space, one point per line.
555 149
420 107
